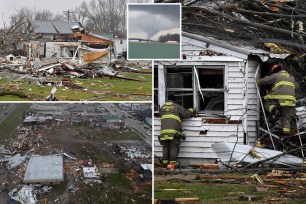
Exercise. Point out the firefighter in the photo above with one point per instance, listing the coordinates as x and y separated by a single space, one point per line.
170 135
280 100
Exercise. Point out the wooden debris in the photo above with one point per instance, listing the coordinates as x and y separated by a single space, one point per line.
277 199
175 200
255 176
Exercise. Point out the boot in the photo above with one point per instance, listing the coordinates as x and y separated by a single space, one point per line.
171 166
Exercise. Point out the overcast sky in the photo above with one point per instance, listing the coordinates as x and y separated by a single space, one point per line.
8 7
152 21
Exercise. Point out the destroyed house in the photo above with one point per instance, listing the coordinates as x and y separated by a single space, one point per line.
38 119
94 40
217 79
49 29
45 32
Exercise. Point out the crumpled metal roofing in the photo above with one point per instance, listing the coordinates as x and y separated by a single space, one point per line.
53 27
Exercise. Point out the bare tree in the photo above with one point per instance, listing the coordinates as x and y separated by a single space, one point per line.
43 15
107 16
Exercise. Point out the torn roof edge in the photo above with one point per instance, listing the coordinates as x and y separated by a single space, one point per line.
262 54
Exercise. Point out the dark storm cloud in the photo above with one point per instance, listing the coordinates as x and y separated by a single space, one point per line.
169 11
151 19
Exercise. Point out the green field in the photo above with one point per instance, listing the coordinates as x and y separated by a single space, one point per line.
153 51
218 193
12 120
100 89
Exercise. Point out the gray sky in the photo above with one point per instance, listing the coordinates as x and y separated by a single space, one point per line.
8 7
152 21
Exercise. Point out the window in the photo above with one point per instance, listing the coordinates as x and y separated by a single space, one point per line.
200 86
67 51
211 85
179 83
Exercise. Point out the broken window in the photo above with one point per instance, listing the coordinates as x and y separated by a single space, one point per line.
179 83
66 51
211 83
200 87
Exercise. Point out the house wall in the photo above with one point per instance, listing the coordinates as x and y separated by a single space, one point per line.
196 149
253 103
120 46
240 95
55 48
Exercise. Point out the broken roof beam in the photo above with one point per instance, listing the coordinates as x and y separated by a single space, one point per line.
245 22
240 10
93 39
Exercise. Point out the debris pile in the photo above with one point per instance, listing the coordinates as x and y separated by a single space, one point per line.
67 161
276 26
277 185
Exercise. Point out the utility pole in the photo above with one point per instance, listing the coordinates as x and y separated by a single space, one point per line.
68 14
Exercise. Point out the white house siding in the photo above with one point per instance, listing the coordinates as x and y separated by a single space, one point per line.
55 48
197 147
120 47
236 86
253 103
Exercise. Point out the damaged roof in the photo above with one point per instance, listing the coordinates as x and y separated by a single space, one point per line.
65 27
43 27
45 169
241 51
276 27
49 27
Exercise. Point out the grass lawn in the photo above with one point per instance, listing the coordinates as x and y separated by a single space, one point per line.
217 193
11 121
101 89
119 181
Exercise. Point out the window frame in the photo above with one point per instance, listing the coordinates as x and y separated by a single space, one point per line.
162 83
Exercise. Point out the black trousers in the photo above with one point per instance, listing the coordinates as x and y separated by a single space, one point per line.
170 150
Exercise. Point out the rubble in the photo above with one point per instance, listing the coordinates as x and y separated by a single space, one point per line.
17 160
72 163
25 195
72 53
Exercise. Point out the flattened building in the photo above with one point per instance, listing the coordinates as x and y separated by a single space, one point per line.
45 169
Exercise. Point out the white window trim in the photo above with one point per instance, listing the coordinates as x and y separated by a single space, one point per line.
162 80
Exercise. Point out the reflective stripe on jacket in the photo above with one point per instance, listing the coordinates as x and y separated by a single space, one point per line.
171 115
283 90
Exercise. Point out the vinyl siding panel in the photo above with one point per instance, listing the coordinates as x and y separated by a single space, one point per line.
197 146
253 103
